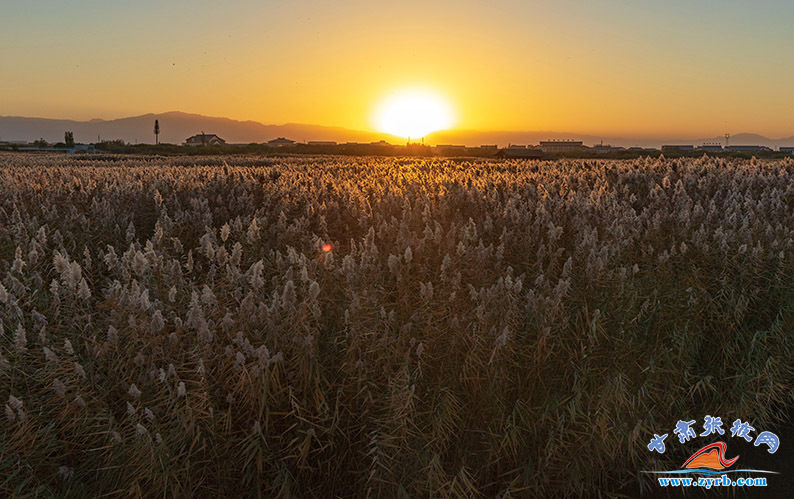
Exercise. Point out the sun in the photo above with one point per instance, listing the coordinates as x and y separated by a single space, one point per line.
413 113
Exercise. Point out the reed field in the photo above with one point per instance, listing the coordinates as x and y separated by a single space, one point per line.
337 327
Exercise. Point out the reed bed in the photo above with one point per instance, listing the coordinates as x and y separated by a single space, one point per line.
330 327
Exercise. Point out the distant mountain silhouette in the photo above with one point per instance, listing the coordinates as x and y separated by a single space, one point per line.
176 126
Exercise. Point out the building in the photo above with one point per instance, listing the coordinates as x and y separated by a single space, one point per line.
204 139
86 148
489 147
321 143
710 148
606 148
748 148
280 142
557 146
678 147
379 143
450 148
787 150
516 146
520 152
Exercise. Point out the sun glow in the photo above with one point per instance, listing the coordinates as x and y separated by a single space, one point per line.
413 113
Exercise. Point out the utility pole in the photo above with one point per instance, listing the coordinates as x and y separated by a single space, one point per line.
156 131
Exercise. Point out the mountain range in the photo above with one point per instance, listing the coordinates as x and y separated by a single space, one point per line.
176 126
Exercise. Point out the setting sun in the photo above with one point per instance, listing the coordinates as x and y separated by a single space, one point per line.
413 114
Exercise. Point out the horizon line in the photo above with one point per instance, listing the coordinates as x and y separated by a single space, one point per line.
591 135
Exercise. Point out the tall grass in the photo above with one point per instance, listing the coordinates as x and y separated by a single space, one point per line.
383 327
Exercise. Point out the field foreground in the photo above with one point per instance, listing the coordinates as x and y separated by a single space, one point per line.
343 327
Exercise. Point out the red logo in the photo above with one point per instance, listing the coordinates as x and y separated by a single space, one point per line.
711 456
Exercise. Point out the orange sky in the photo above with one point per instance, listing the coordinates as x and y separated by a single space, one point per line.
615 68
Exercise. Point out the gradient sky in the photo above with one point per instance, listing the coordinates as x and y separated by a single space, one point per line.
602 67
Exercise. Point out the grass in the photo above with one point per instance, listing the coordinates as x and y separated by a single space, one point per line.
477 328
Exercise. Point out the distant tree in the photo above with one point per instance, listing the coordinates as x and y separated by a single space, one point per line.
40 143
203 138
156 131
68 139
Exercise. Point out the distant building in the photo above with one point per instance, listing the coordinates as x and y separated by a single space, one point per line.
748 148
204 139
556 146
516 146
83 148
520 152
379 143
489 147
787 150
606 148
710 148
280 142
321 143
678 147
450 147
